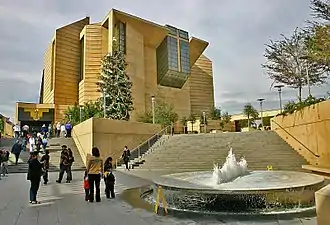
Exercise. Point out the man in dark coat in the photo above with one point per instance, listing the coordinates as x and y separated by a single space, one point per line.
34 176
16 150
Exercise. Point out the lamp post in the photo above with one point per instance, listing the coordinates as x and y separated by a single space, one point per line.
279 88
308 83
204 121
260 100
153 108
104 104
80 113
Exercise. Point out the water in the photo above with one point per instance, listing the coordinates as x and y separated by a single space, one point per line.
230 170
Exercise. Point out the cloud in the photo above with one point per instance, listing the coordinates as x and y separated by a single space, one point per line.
237 31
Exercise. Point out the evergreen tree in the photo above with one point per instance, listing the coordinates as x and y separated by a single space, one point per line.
116 85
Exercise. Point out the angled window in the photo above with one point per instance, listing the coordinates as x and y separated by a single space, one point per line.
121 29
52 67
82 58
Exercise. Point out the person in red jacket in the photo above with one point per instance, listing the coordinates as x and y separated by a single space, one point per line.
86 186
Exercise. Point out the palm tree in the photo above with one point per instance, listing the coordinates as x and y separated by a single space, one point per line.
250 112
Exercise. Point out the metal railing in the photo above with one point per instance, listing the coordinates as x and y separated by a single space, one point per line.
302 144
142 148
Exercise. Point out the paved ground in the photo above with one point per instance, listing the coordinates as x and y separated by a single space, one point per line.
64 204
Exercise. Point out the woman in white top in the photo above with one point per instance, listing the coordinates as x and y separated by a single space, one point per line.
32 142
63 131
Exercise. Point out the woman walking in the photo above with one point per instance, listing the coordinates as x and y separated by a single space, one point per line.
94 171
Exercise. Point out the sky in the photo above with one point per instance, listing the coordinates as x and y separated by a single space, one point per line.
236 29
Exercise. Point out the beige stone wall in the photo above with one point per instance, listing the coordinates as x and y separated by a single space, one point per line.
82 135
322 201
110 136
311 126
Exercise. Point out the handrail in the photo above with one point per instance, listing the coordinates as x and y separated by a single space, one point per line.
315 155
149 139
152 137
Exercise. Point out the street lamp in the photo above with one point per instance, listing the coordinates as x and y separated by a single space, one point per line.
307 73
279 88
80 113
204 121
153 108
260 100
104 103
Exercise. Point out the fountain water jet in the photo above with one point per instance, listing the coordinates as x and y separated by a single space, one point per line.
230 170
234 189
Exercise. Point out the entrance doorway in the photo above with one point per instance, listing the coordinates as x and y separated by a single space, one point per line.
35 126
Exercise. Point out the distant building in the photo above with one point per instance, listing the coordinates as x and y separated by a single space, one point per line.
7 130
163 61
236 118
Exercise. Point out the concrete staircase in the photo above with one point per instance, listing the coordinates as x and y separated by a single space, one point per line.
201 151
54 147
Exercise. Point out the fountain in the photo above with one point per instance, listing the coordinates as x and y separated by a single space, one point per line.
233 189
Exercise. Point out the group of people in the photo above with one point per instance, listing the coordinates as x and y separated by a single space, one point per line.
96 169
63 130
66 161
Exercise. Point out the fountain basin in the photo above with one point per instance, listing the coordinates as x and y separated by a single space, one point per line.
258 191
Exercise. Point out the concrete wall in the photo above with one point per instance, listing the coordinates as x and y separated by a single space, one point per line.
110 136
311 127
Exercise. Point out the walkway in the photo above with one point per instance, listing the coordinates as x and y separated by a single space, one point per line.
64 204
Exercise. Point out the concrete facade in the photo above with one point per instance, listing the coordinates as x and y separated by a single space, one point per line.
73 60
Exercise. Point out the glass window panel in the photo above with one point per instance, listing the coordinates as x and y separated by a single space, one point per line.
183 34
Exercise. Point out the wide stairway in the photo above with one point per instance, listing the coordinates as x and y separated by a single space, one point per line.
54 147
201 151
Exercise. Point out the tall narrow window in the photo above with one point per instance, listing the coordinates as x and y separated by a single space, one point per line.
52 67
122 36
82 58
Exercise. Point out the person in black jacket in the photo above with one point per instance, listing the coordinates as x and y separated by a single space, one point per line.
34 176
16 150
126 156
109 179
45 163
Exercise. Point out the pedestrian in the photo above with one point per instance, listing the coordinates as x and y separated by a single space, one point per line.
126 156
16 150
109 179
32 143
71 161
58 129
86 186
94 171
45 163
5 159
68 129
64 166
34 176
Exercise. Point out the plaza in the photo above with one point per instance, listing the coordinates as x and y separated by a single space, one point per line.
65 204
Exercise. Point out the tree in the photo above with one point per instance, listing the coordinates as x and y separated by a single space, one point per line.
192 119
250 112
183 122
72 114
286 63
164 114
91 109
2 126
88 110
116 85
226 117
215 113
318 38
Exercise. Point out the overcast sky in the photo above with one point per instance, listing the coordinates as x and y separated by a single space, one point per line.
236 29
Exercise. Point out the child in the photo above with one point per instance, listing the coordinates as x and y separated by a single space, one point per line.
109 179
86 186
